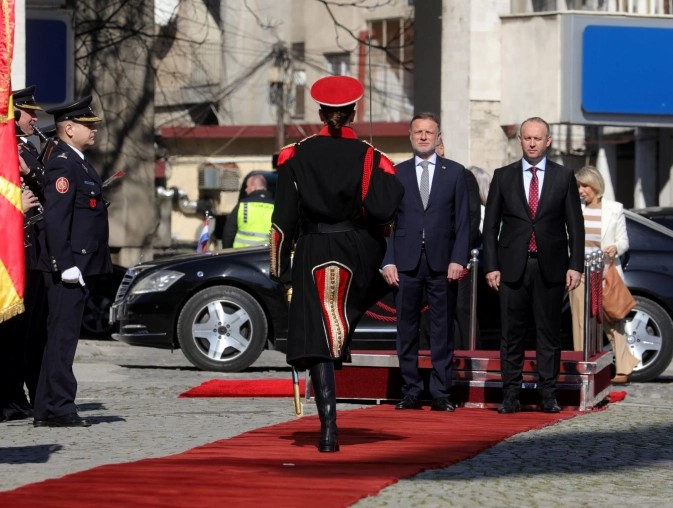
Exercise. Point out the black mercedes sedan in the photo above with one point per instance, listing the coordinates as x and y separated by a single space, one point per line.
222 309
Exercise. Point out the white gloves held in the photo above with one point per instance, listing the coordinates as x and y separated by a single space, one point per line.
72 276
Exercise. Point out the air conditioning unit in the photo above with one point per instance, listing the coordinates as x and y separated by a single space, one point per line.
219 177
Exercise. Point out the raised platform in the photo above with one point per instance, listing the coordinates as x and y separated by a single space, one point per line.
375 376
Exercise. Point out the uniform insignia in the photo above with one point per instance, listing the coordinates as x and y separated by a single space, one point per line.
62 185
62 155
92 203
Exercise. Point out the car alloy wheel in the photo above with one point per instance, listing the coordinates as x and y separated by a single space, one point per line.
649 335
222 329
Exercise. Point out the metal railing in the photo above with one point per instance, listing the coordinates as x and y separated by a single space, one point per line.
593 303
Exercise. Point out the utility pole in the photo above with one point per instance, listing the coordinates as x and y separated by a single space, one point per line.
277 75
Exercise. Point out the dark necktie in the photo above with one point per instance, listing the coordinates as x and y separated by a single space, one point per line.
533 199
425 183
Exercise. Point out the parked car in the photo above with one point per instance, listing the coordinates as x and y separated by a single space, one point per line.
222 309
660 214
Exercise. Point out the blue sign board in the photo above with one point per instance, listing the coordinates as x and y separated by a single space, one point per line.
627 70
47 58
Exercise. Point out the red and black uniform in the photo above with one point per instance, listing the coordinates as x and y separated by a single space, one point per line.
333 195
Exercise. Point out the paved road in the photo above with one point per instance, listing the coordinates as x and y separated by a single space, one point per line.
619 457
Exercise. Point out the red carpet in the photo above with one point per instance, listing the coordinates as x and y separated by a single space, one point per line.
245 388
279 465
617 396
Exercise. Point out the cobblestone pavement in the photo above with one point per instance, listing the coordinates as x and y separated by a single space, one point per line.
619 457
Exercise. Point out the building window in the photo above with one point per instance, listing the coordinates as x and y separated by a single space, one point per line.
50 63
298 93
392 64
396 36
296 98
338 64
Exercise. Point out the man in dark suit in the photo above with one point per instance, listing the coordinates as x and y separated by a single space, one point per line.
428 250
533 251
76 228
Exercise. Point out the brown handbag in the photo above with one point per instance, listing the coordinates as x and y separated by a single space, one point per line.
617 299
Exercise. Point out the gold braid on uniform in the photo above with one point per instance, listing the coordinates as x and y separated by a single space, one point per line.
333 281
276 239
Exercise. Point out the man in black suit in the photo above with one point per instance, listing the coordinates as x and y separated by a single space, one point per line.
428 249
533 251
76 228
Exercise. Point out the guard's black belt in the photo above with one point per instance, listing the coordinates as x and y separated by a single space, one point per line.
532 255
337 227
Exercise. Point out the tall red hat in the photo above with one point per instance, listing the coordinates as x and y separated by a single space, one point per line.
337 91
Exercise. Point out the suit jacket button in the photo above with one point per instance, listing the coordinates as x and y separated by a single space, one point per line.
83 251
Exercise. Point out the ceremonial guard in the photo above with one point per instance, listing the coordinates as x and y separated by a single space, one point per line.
32 172
76 226
25 334
334 194
26 118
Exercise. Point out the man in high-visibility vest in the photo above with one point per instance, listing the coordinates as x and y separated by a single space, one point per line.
250 221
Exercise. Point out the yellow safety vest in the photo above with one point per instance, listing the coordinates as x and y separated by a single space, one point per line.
254 223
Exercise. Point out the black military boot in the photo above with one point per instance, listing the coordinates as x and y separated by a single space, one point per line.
324 389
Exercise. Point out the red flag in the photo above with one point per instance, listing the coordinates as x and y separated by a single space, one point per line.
12 260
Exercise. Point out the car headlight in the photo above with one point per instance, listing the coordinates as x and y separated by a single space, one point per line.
156 282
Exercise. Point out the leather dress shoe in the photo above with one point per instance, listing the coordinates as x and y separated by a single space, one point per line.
409 402
550 406
69 420
621 379
442 404
509 406
17 410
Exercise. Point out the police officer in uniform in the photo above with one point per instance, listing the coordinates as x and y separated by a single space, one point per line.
25 334
249 222
76 226
334 193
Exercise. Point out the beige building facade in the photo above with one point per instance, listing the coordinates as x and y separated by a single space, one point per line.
499 61
226 85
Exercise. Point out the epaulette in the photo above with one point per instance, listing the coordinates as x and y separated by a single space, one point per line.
62 155
288 151
307 137
385 163
286 154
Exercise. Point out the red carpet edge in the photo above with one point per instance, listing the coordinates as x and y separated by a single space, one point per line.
280 466
245 388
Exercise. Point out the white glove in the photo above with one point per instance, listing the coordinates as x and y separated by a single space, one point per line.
72 276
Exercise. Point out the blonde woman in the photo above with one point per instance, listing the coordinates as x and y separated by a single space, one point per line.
605 229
